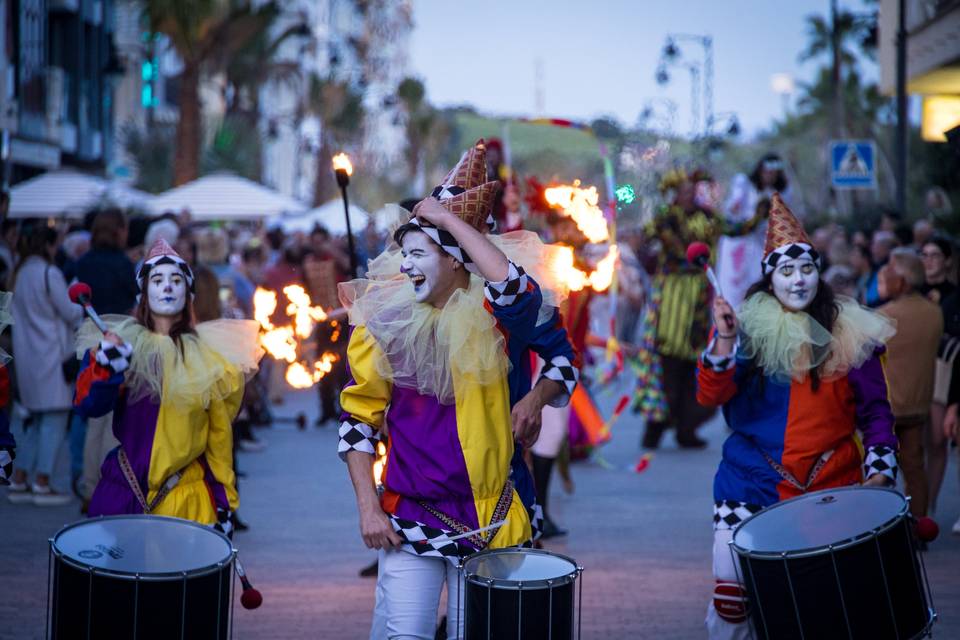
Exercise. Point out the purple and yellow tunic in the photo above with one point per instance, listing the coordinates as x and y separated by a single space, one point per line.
448 465
172 413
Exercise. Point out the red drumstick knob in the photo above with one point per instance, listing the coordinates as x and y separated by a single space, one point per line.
927 529
250 598
81 294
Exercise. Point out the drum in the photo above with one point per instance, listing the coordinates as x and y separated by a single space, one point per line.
839 563
519 593
139 577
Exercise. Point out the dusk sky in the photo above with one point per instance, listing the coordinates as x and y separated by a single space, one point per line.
600 57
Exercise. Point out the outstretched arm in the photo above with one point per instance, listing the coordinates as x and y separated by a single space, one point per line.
489 260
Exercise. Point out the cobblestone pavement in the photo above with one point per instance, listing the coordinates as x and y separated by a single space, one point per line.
644 540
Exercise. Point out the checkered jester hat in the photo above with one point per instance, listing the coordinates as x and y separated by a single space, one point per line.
162 253
466 193
786 239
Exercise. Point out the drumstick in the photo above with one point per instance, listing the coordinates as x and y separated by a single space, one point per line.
698 253
495 525
250 598
81 294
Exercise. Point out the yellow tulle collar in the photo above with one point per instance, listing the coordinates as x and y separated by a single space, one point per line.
209 365
424 348
789 344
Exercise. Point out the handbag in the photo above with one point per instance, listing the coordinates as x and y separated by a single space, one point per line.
70 367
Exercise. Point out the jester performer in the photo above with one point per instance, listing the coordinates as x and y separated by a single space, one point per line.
439 359
174 389
797 372
677 317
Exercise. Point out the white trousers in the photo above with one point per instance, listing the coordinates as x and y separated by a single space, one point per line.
724 569
408 597
553 432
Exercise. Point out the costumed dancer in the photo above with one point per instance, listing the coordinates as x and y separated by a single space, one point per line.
174 389
797 372
738 258
438 357
678 314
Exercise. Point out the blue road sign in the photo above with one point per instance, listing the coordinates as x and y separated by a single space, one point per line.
853 164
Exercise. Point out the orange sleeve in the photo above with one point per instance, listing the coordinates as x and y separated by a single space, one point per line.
715 388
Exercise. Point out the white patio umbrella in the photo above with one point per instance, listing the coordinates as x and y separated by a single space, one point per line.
225 196
329 215
70 194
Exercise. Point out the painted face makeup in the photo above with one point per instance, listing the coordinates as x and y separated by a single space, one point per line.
166 290
795 283
428 267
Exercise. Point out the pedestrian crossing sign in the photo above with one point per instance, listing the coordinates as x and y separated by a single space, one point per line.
853 164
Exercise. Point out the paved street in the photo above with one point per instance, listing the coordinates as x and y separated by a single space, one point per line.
644 540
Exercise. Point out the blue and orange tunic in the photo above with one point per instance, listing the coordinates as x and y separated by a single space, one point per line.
788 437
450 465
173 406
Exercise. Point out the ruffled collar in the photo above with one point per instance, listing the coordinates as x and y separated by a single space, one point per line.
787 345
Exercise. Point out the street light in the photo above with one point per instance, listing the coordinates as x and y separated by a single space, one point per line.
343 169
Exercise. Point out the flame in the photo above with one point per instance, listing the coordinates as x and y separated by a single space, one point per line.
283 342
379 463
599 279
581 205
341 162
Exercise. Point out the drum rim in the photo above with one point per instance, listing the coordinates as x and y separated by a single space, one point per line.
828 548
167 576
512 585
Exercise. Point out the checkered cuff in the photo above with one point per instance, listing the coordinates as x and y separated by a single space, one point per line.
506 292
223 524
880 459
560 369
6 465
357 436
719 363
114 358
727 514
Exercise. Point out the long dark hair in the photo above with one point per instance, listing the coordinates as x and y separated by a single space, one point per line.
756 177
823 309
35 239
182 325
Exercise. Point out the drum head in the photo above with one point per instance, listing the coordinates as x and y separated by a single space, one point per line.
818 520
146 545
513 566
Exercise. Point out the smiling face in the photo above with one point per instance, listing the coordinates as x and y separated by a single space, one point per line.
795 282
166 290
435 274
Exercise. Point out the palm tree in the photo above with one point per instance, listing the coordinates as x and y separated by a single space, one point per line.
340 110
205 35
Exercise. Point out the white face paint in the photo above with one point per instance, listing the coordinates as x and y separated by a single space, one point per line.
795 283
166 290
428 267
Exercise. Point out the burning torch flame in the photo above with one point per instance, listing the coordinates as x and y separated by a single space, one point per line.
599 279
379 463
283 342
581 205
341 162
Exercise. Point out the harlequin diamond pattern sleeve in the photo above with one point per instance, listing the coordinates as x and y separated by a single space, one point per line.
561 369
115 358
506 292
720 363
880 459
364 398
551 342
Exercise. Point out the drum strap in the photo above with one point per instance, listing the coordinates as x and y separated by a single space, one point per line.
135 484
479 540
786 475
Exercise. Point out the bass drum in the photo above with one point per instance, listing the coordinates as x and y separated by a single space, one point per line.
140 578
519 594
839 563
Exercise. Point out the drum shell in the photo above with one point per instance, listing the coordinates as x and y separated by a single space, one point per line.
539 613
861 590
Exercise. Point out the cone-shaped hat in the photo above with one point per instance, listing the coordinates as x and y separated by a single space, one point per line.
162 253
466 192
786 238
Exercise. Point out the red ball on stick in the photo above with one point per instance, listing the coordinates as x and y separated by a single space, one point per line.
927 529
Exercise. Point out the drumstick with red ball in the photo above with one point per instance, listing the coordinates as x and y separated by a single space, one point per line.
81 294
698 253
927 529
250 598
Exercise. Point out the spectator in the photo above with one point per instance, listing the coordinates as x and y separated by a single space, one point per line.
922 233
859 260
8 242
842 280
911 355
937 257
44 320
880 247
165 228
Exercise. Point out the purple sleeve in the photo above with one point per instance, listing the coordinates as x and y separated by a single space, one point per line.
873 414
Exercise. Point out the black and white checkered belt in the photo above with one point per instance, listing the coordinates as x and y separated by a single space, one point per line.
479 540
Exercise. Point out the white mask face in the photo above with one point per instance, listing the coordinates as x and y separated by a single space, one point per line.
166 290
428 267
795 283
